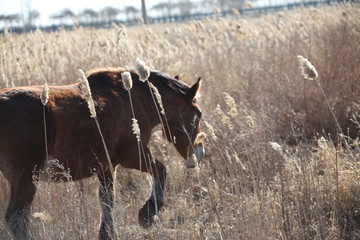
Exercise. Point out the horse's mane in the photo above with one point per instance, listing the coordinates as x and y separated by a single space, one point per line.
102 77
178 87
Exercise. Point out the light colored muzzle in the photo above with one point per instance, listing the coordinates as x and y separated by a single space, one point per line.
195 158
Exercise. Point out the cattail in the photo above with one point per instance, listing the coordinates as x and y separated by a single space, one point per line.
277 147
237 159
142 70
136 128
44 97
127 80
158 97
250 121
235 11
215 10
86 93
248 4
307 69
42 216
140 20
200 138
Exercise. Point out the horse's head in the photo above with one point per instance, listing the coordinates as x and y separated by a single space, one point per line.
183 119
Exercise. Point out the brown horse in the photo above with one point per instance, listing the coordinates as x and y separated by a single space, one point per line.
74 140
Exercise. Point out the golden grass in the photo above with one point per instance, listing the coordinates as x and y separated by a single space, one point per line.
272 169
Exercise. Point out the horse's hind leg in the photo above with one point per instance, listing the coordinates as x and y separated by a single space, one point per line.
156 200
106 195
21 196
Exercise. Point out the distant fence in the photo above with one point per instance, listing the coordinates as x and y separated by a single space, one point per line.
256 11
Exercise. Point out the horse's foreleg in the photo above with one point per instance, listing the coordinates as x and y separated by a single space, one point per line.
21 196
156 200
106 195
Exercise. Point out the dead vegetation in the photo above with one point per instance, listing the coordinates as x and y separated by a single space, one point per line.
277 167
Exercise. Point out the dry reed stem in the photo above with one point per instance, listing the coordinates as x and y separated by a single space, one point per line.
259 193
86 94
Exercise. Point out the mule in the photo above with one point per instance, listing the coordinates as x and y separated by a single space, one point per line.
73 139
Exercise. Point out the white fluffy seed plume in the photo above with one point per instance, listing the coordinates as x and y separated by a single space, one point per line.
86 93
142 70
277 147
307 69
127 80
44 97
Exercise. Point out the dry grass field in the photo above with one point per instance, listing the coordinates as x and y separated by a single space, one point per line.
277 164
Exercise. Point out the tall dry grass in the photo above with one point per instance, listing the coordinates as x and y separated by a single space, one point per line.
277 166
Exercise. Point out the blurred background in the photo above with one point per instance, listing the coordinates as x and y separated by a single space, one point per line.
29 14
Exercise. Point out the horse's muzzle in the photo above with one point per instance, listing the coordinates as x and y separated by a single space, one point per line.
196 156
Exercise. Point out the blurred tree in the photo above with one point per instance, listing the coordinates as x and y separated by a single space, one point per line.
131 12
163 7
63 15
29 15
185 7
88 15
223 5
9 19
109 13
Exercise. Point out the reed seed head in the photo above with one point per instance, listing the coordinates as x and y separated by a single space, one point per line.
44 97
248 4
158 97
42 216
250 121
277 147
199 138
210 130
307 69
216 10
235 11
142 70
86 93
230 102
136 129
127 80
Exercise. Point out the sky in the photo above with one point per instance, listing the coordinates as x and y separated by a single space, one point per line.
50 7
46 8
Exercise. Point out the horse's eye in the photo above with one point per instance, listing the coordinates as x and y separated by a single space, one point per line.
198 113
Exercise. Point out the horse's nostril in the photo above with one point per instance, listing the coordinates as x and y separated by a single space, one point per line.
197 155
191 161
199 152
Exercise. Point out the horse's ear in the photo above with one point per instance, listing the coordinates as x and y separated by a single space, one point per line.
177 77
191 94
